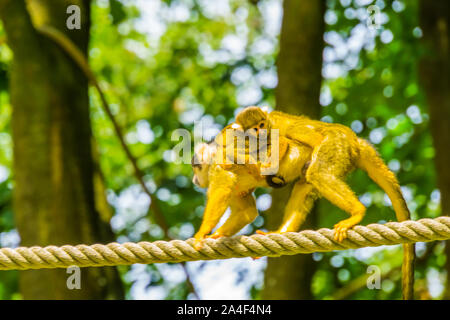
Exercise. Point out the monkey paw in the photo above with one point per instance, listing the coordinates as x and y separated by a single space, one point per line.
262 232
198 241
198 244
265 233
216 235
340 230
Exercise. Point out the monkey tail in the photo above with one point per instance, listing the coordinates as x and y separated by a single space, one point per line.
371 162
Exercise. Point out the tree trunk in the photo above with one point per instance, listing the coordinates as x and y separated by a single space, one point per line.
53 167
299 81
434 74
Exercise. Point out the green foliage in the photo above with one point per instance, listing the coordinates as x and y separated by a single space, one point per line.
117 11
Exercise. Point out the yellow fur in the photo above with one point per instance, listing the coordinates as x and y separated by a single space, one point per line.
336 151
231 185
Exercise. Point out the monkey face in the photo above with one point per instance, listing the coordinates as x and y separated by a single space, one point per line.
201 175
260 129
254 120
251 117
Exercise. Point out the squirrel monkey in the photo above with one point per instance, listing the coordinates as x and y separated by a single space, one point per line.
232 185
336 151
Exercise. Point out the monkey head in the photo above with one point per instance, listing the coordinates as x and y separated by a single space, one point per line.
253 119
204 154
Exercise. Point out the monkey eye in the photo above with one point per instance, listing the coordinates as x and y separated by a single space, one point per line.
261 125
256 129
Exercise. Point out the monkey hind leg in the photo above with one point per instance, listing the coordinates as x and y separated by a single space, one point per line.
377 170
299 205
339 193
331 161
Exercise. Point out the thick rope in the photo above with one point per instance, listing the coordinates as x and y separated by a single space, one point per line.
256 245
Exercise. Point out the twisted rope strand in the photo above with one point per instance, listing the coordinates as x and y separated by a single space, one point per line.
256 245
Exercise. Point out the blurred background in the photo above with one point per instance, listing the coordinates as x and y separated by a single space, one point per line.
380 67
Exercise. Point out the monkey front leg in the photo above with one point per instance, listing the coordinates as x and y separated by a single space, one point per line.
299 205
221 185
243 212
